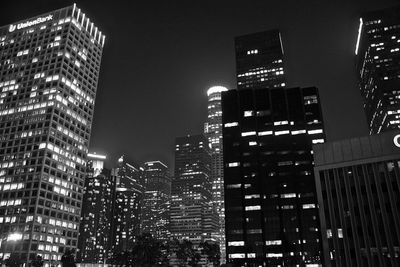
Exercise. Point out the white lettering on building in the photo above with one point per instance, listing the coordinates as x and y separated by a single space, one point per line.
29 23
396 140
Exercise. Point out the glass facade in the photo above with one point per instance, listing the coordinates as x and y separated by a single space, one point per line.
49 68
378 69
271 212
259 60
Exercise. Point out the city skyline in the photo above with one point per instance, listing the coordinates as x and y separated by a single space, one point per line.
257 162
210 49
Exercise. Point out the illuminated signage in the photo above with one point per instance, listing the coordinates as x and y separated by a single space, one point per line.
29 23
396 140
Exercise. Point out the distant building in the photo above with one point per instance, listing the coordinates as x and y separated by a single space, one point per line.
271 212
378 68
95 227
259 60
49 69
192 215
213 132
156 202
359 197
127 206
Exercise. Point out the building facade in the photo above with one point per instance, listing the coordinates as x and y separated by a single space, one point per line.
192 213
271 213
95 227
378 68
213 132
49 68
259 60
128 198
156 202
358 185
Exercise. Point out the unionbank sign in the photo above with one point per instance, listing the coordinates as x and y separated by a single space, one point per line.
29 23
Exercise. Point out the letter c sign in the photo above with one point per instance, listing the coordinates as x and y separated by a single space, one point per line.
396 140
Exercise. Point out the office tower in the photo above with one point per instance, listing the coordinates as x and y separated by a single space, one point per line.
191 215
95 226
378 68
271 214
49 68
156 202
358 194
213 132
259 60
127 206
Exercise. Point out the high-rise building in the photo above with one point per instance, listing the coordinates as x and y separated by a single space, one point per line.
192 214
128 198
378 68
213 132
271 212
49 68
95 226
156 201
259 60
358 186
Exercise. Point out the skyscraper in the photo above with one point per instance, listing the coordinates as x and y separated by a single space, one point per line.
192 215
156 202
358 194
94 234
271 213
49 68
378 68
259 60
213 132
127 206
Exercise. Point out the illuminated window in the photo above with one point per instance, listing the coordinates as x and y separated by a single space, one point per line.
256 207
249 113
236 243
231 124
234 164
248 133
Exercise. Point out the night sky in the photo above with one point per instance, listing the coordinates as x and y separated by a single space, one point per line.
160 58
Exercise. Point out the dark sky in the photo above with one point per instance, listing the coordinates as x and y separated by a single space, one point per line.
161 56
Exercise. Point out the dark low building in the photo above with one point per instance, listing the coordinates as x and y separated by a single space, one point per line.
358 184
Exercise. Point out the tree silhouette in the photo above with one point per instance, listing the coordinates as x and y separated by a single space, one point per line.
186 253
121 258
146 251
68 259
13 261
37 261
212 252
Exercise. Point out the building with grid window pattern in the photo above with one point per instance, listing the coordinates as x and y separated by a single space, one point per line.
271 215
378 68
127 203
95 226
156 200
259 60
213 132
192 214
49 68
